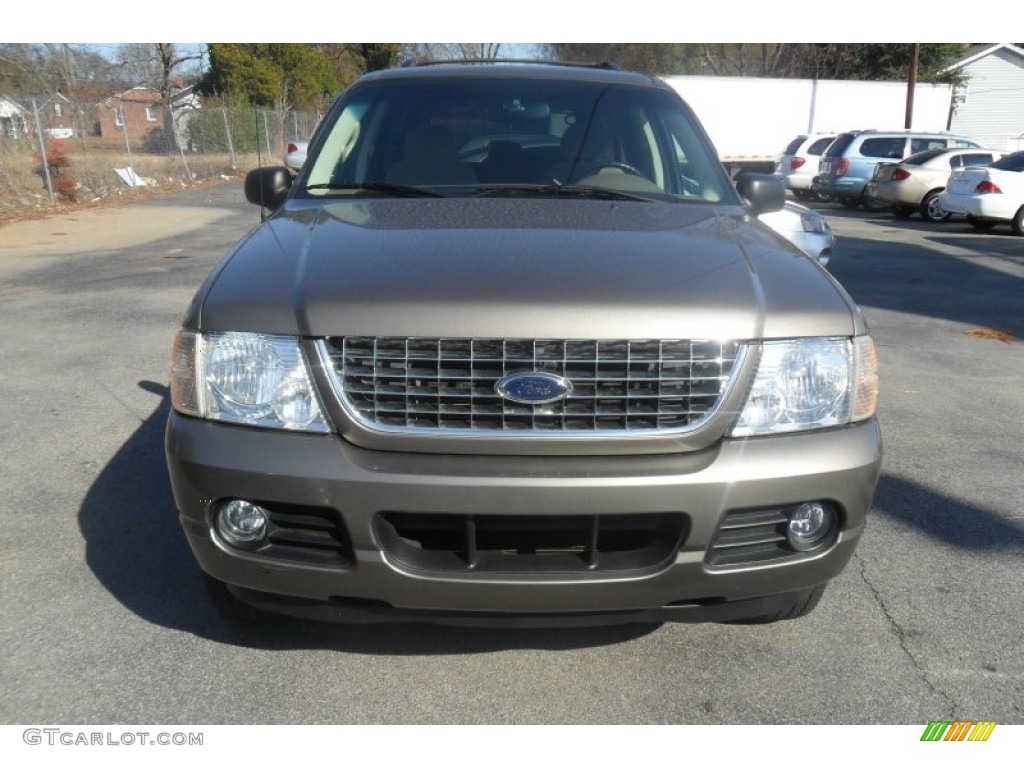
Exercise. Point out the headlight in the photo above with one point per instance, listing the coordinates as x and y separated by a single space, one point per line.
810 384
813 222
245 378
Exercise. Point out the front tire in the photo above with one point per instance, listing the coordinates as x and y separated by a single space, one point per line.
229 606
1017 225
930 210
799 609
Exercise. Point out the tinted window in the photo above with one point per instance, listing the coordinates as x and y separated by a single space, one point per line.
820 145
1012 162
920 145
888 147
837 147
923 157
794 145
975 159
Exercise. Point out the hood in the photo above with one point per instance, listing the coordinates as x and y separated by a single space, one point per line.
521 268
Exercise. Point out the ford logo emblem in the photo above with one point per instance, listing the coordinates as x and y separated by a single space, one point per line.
534 388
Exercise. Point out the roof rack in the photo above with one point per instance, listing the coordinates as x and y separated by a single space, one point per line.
436 62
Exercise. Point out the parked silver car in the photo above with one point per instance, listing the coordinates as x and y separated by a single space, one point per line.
805 228
564 381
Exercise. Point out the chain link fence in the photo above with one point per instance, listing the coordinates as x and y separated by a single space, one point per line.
123 146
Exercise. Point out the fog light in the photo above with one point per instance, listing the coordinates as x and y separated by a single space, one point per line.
809 525
241 523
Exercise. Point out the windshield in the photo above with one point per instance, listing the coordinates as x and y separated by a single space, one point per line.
515 135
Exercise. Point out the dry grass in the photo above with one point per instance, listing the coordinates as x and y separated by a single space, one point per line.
23 192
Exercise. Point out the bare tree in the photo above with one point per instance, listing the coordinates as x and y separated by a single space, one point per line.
159 66
452 51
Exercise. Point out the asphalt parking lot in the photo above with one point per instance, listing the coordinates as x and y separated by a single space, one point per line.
104 620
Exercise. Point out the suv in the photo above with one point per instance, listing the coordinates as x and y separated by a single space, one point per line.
849 162
511 347
798 164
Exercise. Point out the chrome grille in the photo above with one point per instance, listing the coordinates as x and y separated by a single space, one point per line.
411 383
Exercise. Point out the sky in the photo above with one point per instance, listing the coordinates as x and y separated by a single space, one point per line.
566 20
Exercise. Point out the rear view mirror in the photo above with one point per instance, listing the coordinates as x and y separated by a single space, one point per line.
526 110
761 191
268 187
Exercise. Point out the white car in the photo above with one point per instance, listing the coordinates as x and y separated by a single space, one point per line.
798 164
914 185
296 155
806 229
989 196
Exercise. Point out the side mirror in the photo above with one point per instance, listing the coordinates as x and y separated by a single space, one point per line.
763 192
268 187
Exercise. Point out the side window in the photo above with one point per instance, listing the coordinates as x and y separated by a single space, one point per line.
889 148
920 145
820 145
956 161
962 144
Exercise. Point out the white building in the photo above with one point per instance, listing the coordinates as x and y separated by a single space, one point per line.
989 107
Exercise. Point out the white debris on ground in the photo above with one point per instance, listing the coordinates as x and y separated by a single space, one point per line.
132 179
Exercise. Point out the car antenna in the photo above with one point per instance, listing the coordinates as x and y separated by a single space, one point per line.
259 158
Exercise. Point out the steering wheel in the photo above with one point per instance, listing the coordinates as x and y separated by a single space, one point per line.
593 168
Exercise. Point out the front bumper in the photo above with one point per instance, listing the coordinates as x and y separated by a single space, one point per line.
209 462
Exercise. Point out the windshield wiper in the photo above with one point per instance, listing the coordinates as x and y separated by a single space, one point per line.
399 190
557 190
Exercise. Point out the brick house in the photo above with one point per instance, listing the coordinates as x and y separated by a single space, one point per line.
139 113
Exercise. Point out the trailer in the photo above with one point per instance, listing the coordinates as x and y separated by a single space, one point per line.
751 119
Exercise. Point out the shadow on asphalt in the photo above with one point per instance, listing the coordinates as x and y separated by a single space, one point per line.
138 552
919 280
956 523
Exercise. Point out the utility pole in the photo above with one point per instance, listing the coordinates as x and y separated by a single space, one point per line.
911 87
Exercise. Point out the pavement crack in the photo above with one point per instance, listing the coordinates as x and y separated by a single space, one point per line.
902 638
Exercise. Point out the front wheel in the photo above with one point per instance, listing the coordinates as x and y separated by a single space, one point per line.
1017 225
229 606
799 609
930 208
